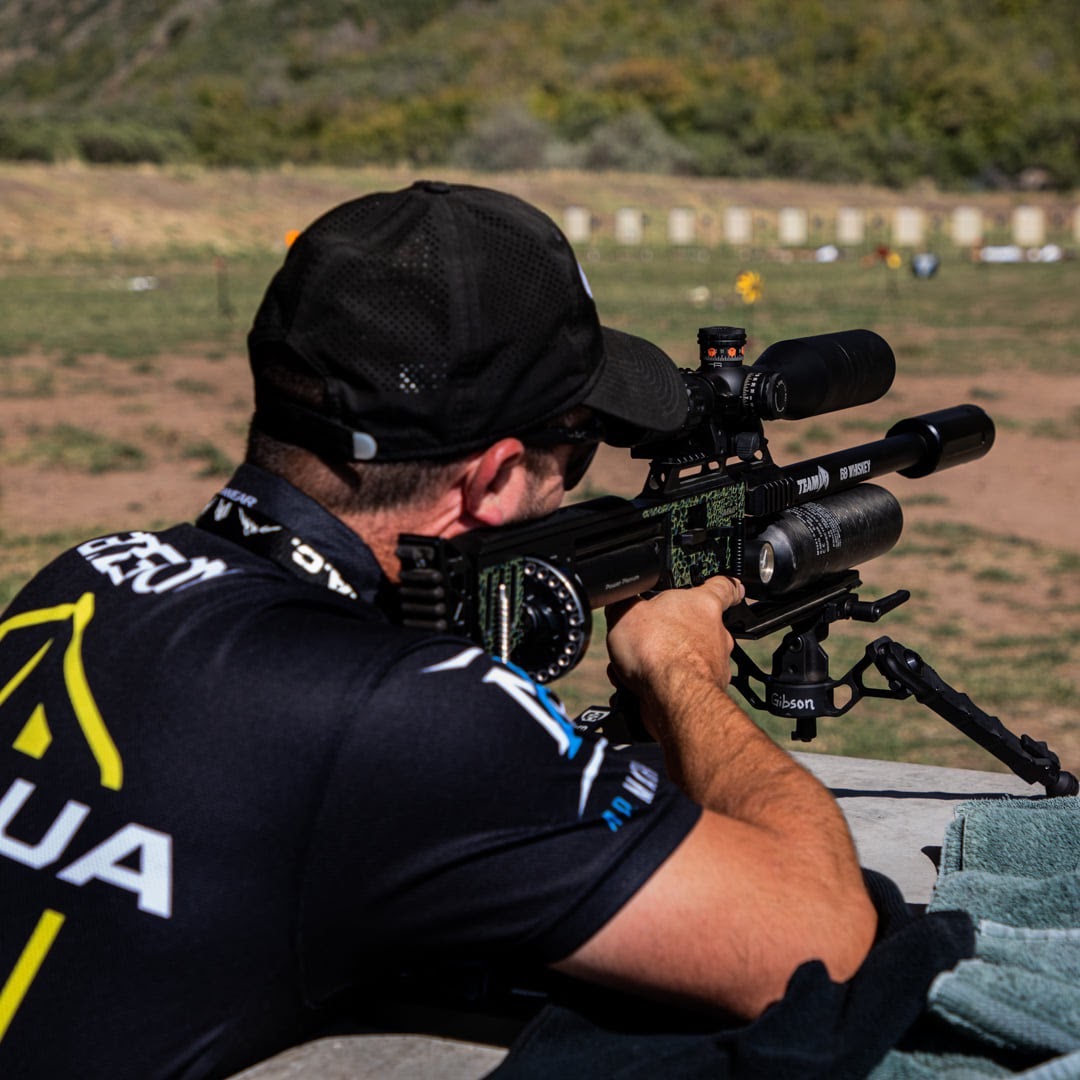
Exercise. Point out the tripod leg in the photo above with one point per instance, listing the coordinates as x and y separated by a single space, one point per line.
1032 761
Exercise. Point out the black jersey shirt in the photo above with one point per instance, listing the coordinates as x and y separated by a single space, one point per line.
228 794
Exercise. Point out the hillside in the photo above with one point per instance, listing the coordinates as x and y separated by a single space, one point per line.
965 92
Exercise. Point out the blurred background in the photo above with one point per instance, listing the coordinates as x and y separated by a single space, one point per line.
793 168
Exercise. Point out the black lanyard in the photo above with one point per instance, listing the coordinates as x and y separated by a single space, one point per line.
266 537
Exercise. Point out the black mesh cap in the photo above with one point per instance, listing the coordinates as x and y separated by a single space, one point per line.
441 318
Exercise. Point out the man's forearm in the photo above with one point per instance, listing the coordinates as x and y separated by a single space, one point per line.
769 878
673 652
724 761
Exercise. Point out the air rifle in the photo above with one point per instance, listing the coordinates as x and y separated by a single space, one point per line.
715 502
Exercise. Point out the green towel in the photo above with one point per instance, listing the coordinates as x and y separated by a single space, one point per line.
1053 952
1017 837
1062 1068
995 847
1014 866
1040 903
925 1066
1009 1007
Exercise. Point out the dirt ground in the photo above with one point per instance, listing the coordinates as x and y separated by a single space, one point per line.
149 409
1027 486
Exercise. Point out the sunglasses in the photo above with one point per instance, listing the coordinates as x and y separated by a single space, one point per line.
584 441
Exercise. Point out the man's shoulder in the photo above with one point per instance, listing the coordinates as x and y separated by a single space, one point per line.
194 592
142 562
178 565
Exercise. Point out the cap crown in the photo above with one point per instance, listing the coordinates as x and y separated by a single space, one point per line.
439 317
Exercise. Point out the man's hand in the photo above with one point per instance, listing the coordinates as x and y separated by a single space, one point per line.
655 644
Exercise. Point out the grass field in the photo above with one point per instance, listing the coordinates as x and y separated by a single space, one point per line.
969 318
112 366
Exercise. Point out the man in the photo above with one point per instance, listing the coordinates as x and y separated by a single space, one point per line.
234 789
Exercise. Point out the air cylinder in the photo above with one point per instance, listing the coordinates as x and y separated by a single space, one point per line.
823 537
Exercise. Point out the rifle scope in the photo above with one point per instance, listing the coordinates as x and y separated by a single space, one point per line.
790 380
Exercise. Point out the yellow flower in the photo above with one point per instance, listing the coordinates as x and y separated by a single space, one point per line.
748 286
893 260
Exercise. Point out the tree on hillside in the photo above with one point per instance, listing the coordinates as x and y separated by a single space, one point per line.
962 91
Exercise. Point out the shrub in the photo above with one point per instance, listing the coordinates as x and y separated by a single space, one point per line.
508 137
33 140
128 143
637 142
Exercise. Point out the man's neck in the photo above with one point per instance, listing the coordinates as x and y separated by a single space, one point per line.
380 531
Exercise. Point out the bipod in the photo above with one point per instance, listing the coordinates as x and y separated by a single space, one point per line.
801 688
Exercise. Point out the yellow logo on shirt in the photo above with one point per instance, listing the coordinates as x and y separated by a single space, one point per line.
35 736
135 858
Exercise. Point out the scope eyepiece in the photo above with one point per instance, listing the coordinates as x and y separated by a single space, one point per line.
765 394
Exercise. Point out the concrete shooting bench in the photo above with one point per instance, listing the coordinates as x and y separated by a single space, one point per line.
897 812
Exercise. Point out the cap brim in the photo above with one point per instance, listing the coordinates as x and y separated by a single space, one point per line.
639 386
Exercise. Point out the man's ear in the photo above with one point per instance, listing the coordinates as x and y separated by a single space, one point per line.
493 484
